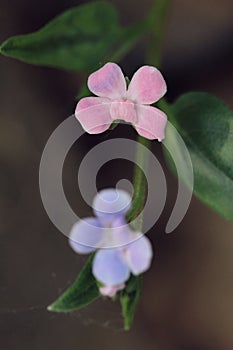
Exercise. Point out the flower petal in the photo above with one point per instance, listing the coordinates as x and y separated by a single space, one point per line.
110 291
151 122
138 255
109 268
118 235
108 81
124 110
147 86
86 235
94 114
110 203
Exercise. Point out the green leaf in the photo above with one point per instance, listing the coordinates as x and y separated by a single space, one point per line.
79 39
206 126
81 293
129 298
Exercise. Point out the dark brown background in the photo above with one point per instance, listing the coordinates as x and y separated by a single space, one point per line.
187 295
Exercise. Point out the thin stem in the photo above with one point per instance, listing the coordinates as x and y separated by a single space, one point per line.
139 182
156 19
129 39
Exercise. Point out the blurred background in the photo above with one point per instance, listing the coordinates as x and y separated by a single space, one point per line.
187 295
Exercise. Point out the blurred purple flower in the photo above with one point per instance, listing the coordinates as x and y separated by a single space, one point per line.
120 250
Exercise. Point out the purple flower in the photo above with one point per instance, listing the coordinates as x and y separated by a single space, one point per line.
120 250
114 101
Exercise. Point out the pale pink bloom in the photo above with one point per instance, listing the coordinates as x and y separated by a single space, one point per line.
110 291
114 101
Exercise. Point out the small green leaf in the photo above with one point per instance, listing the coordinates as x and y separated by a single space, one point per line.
81 293
206 126
129 298
79 39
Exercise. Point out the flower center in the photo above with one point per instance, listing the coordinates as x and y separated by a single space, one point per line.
125 110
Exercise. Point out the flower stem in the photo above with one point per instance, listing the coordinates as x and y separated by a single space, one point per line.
156 20
139 183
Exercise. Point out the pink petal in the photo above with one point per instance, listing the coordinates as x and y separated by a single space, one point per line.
94 114
124 110
139 255
108 81
110 291
151 122
147 86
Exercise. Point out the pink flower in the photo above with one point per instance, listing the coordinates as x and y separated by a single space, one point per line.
110 291
114 101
